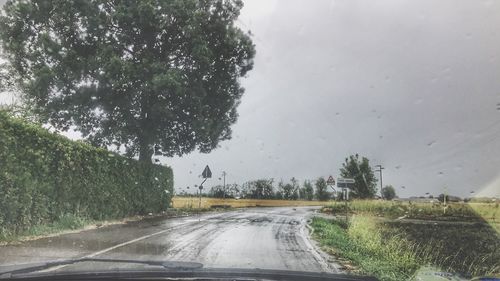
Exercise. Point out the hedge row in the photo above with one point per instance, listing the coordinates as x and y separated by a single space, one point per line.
44 176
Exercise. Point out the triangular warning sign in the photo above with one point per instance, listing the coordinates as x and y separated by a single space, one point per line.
330 180
206 173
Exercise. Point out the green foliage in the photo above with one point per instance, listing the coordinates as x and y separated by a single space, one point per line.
321 189
217 191
45 178
388 192
307 191
288 191
153 76
259 189
362 173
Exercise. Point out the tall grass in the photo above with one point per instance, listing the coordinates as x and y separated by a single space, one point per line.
387 258
63 223
389 254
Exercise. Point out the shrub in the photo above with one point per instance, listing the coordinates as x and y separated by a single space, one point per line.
45 177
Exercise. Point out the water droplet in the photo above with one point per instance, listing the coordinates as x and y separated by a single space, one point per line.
431 143
398 167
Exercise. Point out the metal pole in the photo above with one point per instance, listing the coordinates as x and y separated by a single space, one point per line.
199 203
224 176
346 211
200 188
381 186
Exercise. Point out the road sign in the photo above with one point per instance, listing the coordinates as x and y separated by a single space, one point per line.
206 173
330 181
346 180
345 183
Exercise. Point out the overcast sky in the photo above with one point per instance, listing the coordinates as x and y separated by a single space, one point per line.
412 85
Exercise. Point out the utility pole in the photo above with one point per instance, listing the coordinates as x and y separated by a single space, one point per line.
380 168
224 177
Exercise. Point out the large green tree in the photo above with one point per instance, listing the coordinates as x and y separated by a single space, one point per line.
361 171
321 189
308 191
156 76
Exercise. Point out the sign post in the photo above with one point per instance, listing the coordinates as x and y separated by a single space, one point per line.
346 185
206 174
331 183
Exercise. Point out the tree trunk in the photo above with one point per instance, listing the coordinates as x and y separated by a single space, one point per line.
145 151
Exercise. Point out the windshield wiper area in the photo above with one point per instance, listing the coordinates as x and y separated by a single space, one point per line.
172 270
175 265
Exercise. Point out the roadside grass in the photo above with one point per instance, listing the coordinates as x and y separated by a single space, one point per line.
69 223
64 223
206 202
362 242
464 240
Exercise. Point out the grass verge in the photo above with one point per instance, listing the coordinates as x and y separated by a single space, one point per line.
370 252
399 251
67 222
70 223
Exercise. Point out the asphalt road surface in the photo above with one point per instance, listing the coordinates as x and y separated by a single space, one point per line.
270 238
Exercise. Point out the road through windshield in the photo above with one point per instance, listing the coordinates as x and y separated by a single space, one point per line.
356 138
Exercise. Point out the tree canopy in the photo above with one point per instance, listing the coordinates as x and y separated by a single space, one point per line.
152 76
321 189
307 190
360 170
388 192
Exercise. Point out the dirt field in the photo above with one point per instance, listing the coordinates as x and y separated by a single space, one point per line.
193 202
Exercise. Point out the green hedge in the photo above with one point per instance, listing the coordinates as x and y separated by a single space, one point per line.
45 176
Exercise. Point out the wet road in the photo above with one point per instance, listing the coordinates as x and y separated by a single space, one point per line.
271 238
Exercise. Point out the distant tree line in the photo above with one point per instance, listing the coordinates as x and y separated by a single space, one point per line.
354 167
270 189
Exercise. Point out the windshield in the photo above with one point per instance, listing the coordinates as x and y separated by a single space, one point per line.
349 137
